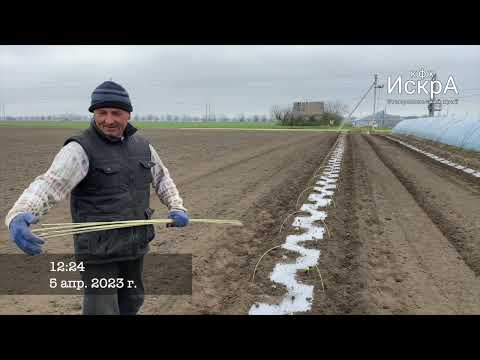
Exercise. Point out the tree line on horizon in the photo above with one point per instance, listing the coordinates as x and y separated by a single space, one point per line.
149 117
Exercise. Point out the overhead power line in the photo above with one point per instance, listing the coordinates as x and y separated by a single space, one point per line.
363 97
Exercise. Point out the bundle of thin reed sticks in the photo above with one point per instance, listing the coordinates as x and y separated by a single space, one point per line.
64 229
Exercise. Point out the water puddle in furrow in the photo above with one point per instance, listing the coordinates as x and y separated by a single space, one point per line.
439 159
300 296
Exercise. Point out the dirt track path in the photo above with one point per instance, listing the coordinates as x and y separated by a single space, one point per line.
253 177
411 241
452 153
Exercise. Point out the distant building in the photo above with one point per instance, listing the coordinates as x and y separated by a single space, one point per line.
308 108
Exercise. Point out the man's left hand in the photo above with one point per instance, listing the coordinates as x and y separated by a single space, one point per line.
180 218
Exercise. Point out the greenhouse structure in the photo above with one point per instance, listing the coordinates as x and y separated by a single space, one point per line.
462 132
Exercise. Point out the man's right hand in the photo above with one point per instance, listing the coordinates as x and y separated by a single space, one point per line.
21 234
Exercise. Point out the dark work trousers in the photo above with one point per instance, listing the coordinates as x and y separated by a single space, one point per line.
121 301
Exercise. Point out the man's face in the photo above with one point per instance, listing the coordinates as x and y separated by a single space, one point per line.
111 121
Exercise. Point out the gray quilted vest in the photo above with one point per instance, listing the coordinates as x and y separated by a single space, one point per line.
117 187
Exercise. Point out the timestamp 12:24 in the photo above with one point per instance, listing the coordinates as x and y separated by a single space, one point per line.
70 266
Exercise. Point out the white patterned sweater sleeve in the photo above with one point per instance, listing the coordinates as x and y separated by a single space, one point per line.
68 168
164 186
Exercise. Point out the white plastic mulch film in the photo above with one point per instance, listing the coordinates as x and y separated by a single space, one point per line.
463 132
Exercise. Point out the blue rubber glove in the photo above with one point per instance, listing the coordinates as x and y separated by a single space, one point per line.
21 234
179 217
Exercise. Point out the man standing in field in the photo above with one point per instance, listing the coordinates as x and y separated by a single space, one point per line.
108 169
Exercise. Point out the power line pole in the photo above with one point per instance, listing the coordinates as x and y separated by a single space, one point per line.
375 87
384 111
434 78
374 93
431 105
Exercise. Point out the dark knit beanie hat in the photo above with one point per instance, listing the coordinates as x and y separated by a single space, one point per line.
110 94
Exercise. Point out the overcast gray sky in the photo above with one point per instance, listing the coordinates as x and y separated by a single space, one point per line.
42 80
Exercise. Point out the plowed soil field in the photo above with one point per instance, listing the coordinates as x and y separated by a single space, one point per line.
404 231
